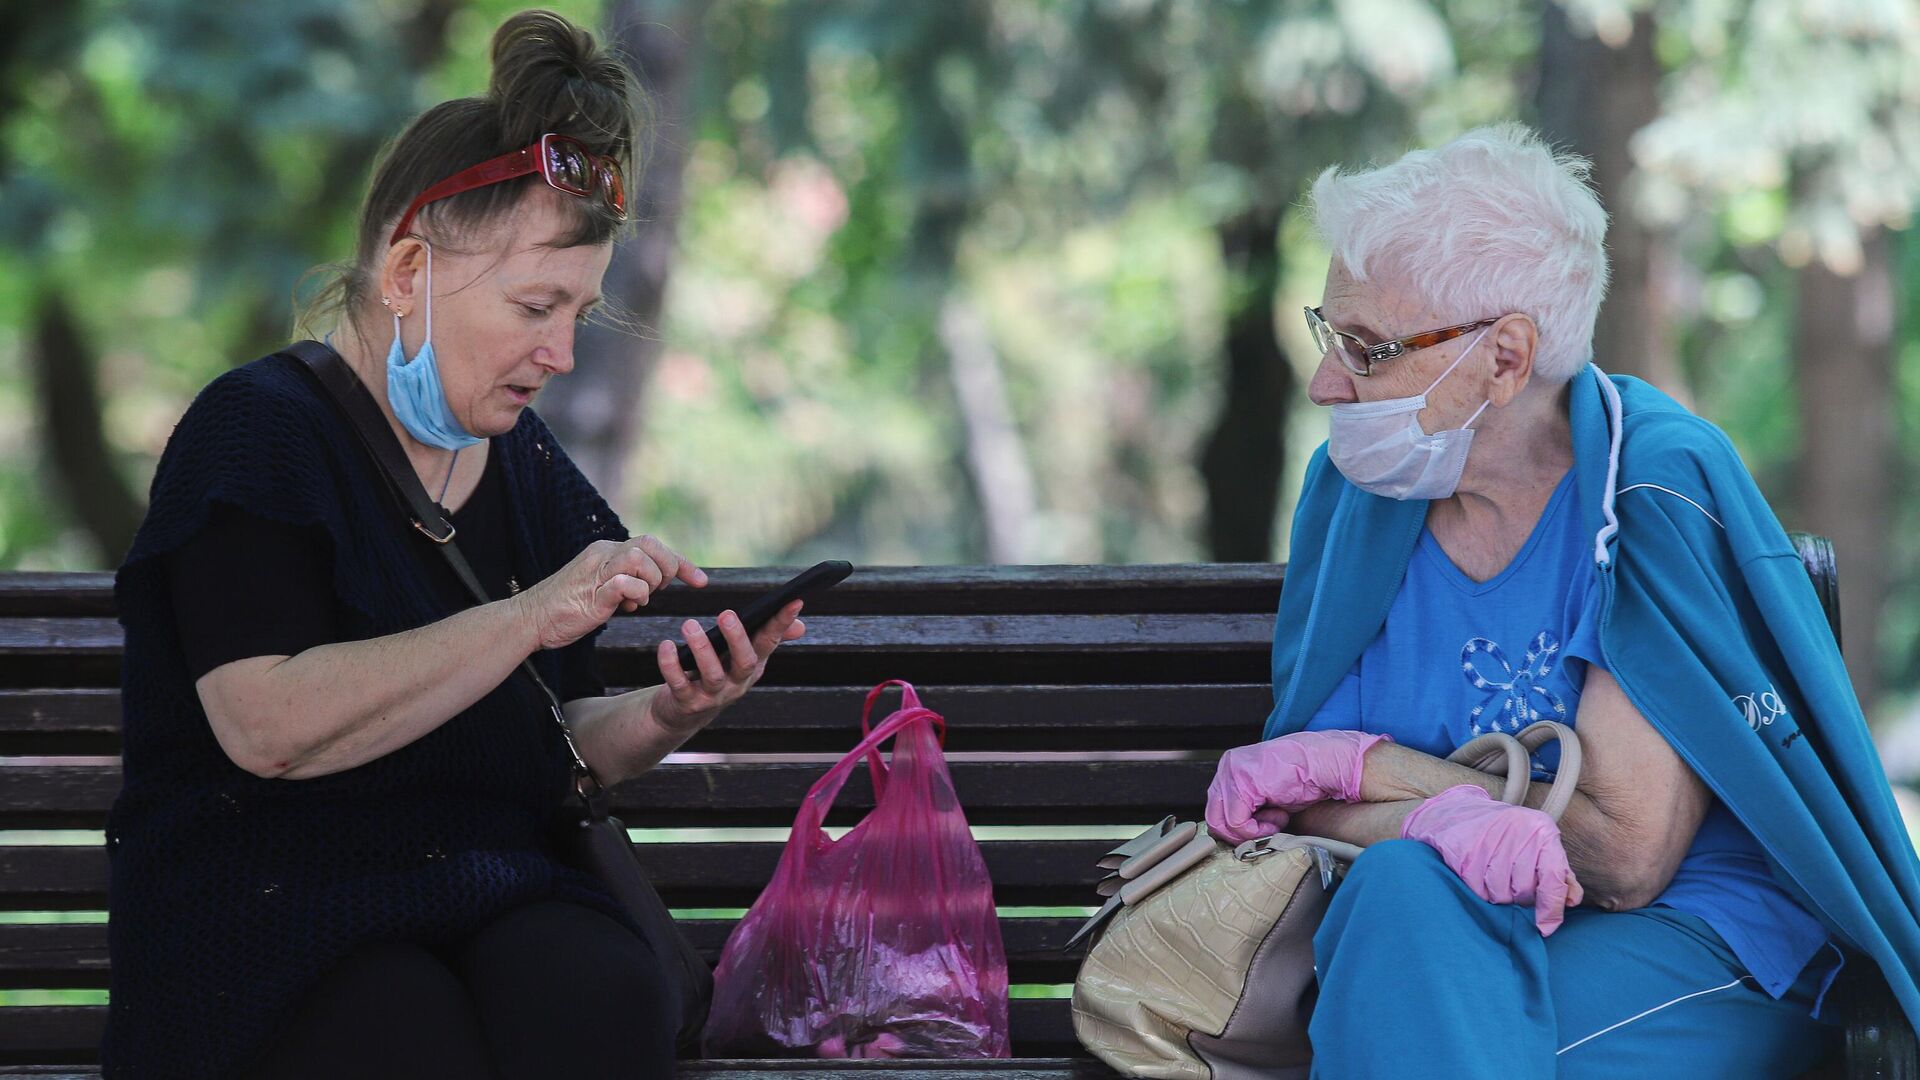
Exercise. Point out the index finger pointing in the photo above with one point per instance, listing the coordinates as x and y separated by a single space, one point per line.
673 564
663 556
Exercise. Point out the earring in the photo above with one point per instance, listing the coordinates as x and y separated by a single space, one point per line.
386 301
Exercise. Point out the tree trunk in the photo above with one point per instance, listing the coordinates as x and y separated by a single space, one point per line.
595 410
1243 457
1593 98
1843 348
996 458
67 388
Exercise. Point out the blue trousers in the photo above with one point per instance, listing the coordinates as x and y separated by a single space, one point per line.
1421 978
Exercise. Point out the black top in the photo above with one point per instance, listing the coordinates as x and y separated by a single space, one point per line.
247 586
229 893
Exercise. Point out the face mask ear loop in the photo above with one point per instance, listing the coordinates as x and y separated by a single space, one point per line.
429 340
1464 353
1477 412
396 315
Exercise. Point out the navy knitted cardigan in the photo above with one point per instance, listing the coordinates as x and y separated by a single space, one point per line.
230 894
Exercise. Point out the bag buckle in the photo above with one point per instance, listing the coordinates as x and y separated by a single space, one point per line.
585 784
1254 850
1316 847
428 533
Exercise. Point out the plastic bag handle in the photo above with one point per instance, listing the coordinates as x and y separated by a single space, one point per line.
909 699
813 809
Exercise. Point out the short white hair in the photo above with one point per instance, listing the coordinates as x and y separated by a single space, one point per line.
1491 223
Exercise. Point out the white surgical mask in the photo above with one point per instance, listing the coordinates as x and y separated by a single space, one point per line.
1380 447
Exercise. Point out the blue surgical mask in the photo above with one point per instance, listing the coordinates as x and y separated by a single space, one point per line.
414 390
1380 447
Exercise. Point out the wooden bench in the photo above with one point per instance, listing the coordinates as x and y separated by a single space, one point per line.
1083 703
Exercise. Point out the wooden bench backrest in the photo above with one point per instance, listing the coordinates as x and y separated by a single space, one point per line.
1081 701
1092 700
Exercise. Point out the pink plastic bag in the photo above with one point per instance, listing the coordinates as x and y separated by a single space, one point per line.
883 943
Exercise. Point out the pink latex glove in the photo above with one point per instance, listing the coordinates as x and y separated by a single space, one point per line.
1256 788
1505 854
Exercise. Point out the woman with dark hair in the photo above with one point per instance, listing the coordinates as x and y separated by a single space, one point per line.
332 855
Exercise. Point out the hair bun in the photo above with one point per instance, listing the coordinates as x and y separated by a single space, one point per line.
550 75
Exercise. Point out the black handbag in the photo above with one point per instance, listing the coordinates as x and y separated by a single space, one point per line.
587 837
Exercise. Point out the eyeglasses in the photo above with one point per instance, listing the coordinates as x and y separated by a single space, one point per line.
1359 357
562 161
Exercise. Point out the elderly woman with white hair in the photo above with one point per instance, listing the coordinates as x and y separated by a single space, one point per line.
1497 533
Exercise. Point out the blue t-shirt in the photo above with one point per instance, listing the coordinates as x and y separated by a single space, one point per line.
1458 658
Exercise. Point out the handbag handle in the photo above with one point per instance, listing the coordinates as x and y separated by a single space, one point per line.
1501 754
909 699
376 436
820 797
1491 751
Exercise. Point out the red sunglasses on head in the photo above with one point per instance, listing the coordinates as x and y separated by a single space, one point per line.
562 161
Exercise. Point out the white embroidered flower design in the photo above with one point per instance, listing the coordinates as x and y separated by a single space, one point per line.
1522 696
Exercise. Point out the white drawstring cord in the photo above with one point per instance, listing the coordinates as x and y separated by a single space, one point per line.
1601 558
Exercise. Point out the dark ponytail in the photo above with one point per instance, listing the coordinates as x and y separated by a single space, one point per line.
548 75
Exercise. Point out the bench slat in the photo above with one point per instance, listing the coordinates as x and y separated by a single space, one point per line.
70 956
838 650
35 636
53 957
70 1034
30 636
693 795
725 874
1246 587
60 711
51 1034
808 718
29 592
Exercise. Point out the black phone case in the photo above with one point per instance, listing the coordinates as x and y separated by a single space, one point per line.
816 578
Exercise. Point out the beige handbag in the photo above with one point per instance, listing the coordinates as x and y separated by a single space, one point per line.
1191 930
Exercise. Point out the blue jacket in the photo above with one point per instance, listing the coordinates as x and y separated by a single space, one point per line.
1708 622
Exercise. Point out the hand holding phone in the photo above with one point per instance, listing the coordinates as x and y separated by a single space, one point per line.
814 580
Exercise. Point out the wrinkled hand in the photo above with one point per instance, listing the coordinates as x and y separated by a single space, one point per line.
607 576
1256 788
1505 854
686 703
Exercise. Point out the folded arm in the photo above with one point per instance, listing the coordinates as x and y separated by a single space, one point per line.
1634 813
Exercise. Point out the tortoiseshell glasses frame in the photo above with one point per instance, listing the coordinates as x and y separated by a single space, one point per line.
1359 357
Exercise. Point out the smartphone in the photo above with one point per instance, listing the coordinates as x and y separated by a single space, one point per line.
815 579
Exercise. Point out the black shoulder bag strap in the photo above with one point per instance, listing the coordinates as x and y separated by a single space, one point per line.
599 845
370 424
